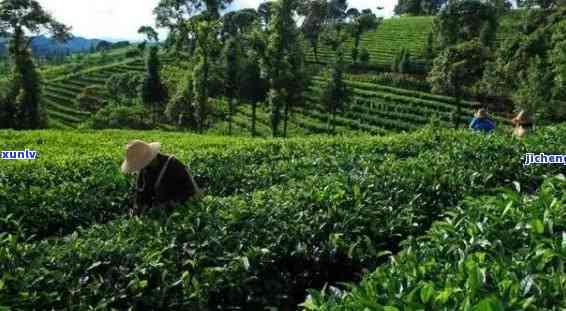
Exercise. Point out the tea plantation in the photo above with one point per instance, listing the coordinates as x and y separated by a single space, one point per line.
60 92
388 40
283 218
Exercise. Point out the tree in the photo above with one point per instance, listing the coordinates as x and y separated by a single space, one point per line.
316 13
154 93
543 4
236 23
544 39
429 52
265 11
419 7
142 47
284 64
175 15
7 106
231 64
352 13
90 99
103 46
335 93
180 109
459 68
362 23
253 86
120 45
16 18
364 56
124 86
337 10
533 95
149 32
465 20
205 32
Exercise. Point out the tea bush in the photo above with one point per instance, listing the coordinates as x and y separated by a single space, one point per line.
502 252
281 216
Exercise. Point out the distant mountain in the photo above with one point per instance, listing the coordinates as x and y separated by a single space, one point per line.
42 45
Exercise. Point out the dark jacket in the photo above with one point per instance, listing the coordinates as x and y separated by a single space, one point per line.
176 185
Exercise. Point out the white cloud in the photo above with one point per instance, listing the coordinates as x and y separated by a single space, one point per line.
121 19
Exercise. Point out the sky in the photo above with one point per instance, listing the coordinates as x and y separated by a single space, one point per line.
120 19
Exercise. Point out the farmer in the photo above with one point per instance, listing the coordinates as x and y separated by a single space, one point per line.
482 123
163 181
523 124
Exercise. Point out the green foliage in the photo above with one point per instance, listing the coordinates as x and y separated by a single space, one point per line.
279 212
462 21
103 46
284 64
530 64
125 85
392 79
316 15
205 31
120 45
402 63
419 7
29 112
235 23
383 44
181 110
498 252
90 99
7 107
364 22
29 15
458 68
532 94
232 67
365 57
154 94
335 94
118 116
149 32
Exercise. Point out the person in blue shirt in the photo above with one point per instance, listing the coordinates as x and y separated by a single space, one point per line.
482 123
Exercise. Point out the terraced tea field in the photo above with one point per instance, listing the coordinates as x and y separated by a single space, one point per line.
393 35
60 93
374 109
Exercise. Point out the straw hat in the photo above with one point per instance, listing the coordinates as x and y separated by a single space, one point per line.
521 118
138 155
482 113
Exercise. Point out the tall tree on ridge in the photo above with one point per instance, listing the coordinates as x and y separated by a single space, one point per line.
265 11
17 17
316 14
176 15
231 64
284 64
149 33
205 29
154 93
362 23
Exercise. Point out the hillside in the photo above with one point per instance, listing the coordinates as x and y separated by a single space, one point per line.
281 216
375 108
383 44
60 93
